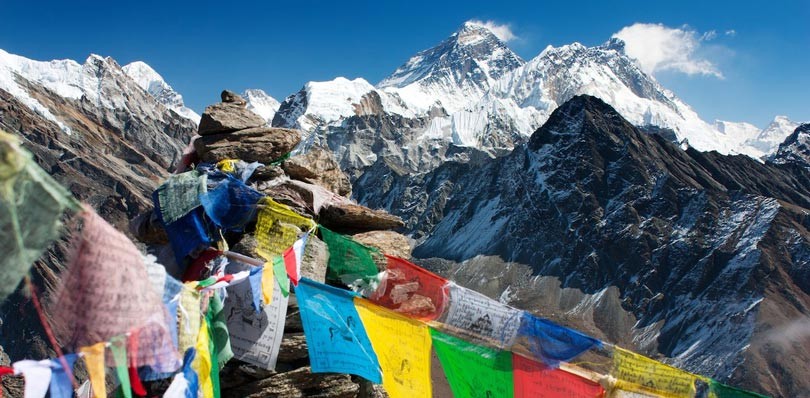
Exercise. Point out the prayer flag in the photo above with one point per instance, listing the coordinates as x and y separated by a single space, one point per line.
280 274
94 359
189 374
255 280
473 370
637 373
31 204
179 195
550 342
402 346
336 339
720 390
481 318
62 377
350 262
118 348
37 376
231 205
268 283
410 290
203 364
535 380
189 323
277 228
293 258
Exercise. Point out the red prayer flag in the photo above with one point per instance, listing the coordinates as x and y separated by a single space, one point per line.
411 290
533 379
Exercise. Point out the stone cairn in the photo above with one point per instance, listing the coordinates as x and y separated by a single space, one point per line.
313 185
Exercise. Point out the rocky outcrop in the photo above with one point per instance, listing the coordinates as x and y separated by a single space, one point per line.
346 216
258 144
228 116
388 242
318 166
795 149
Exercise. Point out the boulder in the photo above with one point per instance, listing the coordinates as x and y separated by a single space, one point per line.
261 144
318 166
303 197
227 117
247 246
293 348
350 217
300 382
266 173
231 97
388 242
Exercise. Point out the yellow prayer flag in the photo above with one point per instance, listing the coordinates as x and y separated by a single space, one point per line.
402 346
94 358
202 362
637 373
189 316
267 283
227 165
277 228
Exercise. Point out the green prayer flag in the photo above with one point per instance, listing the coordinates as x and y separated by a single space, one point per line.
350 262
473 370
119 352
31 204
720 390
218 326
280 273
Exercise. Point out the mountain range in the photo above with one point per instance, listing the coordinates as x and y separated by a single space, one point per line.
572 184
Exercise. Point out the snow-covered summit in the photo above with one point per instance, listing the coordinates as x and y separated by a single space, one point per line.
456 72
261 103
156 86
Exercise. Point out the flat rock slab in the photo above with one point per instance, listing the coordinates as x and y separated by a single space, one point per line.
345 217
318 166
226 118
388 242
262 144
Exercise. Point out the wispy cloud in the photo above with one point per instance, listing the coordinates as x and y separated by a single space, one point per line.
501 31
660 48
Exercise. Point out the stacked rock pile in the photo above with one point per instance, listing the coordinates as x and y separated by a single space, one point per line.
313 185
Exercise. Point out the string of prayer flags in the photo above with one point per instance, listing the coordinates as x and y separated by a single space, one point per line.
336 339
550 342
410 290
535 380
402 346
94 359
62 376
293 257
720 390
277 228
479 317
104 291
31 204
37 376
473 370
119 353
637 373
350 262
231 205
179 195
255 336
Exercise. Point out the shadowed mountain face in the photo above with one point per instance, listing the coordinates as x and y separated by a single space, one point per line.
707 255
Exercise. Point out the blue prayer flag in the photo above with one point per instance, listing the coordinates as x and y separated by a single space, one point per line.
231 205
552 343
61 382
336 339
255 280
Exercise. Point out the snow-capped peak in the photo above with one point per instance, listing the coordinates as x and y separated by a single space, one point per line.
148 79
456 72
261 103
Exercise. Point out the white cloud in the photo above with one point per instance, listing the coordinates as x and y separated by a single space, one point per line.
731 33
501 31
660 48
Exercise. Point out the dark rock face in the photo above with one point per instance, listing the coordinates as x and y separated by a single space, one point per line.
227 117
795 149
706 254
260 144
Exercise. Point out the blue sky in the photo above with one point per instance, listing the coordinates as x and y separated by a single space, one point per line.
762 52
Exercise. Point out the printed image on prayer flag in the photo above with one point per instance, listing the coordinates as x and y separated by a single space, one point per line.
255 336
637 373
473 370
31 203
480 317
534 380
550 342
179 195
105 291
411 290
277 228
402 346
336 339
